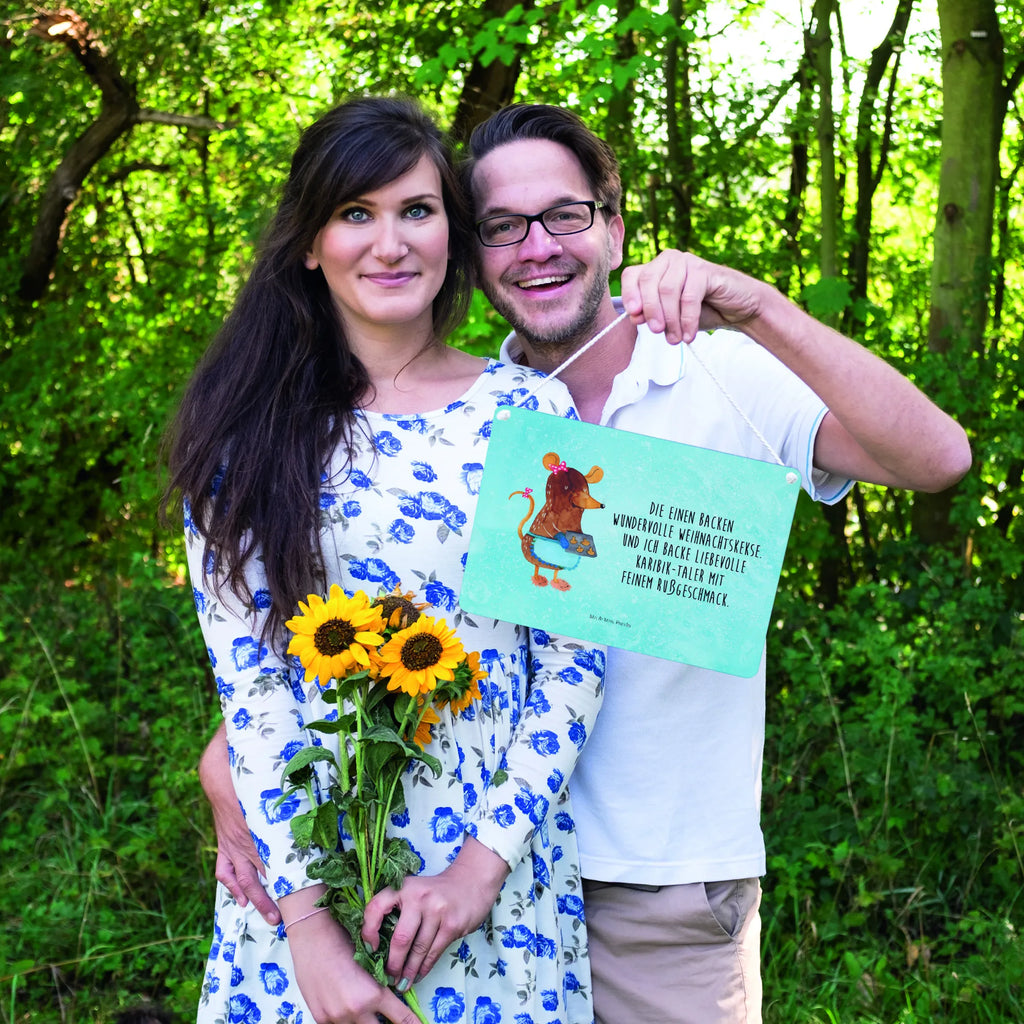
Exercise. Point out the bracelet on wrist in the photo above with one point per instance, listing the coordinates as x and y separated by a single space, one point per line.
305 917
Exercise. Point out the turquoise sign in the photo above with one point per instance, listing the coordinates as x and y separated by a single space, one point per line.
628 540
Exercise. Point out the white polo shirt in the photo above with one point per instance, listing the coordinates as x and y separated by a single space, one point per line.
668 788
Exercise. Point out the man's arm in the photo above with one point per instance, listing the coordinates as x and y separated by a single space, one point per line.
880 427
238 864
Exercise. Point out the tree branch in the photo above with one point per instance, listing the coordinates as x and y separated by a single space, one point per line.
119 112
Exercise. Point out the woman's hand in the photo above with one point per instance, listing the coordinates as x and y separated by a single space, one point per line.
336 989
435 910
238 865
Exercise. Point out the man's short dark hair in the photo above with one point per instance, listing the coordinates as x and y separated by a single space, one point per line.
521 121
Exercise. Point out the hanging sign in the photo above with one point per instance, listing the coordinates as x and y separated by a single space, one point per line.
630 541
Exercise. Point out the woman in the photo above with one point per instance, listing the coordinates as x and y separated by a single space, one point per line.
330 436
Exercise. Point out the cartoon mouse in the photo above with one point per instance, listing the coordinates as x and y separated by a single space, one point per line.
555 540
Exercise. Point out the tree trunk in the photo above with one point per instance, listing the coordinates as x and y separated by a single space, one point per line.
486 89
973 107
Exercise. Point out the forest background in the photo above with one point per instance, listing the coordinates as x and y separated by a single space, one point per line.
865 157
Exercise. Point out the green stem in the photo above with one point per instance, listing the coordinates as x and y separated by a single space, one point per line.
359 833
414 1004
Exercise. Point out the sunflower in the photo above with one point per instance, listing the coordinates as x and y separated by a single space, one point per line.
331 636
398 609
472 691
424 734
417 657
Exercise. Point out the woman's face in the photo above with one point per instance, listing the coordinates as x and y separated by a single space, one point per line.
385 254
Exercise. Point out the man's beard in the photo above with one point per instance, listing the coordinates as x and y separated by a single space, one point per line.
565 338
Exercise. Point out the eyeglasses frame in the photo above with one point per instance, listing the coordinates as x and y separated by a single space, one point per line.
592 204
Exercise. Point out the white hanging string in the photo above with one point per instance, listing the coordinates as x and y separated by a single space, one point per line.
690 350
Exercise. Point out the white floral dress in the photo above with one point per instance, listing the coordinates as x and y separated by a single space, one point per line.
402 516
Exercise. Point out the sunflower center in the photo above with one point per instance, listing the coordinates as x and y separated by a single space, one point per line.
334 636
421 651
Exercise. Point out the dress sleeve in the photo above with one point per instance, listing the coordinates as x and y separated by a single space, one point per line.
264 707
564 696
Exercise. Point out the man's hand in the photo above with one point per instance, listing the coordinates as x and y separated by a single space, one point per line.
238 864
680 293
435 910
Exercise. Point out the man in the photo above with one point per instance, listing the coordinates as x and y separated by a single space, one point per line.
667 791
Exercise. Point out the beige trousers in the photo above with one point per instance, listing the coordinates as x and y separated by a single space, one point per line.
675 954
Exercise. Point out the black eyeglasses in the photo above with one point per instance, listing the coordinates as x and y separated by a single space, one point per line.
564 219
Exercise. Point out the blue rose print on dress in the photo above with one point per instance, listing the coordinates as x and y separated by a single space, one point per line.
387 444
546 948
555 781
504 815
448 1005
357 478
538 702
573 676
199 598
564 822
261 847
401 531
486 1011
374 570
446 825
472 472
432 505
241 718
533 805
440 596
227 952
274 979
416 424
242 1010
289 750
247 652
569 903
327 500
351 509
541 875
578 734
424 472
237 977
590 660
273 811
549 999
282 887
518 937
261 599
545 742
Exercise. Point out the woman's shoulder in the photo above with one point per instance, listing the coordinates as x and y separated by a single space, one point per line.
522 385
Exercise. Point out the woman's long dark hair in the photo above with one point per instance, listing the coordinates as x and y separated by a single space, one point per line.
276 392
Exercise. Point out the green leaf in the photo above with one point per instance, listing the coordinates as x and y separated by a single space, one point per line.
302 826
298 770
325 828
828 297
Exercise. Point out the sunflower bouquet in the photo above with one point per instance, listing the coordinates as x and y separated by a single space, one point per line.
390 669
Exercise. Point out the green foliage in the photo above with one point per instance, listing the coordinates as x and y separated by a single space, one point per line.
107 869
892 806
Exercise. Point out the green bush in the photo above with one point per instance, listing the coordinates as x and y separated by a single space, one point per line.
893 811
105 840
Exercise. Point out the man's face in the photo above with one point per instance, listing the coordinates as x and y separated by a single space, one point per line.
552 289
